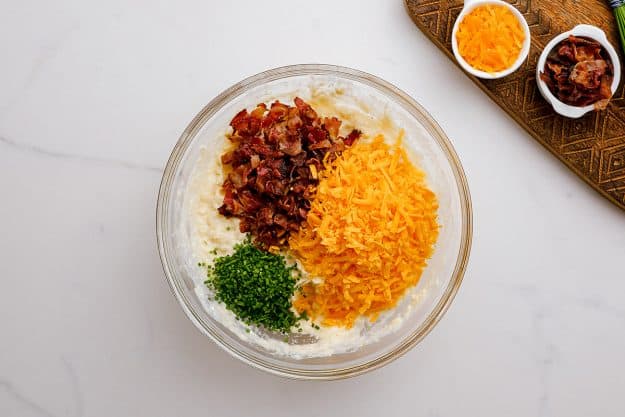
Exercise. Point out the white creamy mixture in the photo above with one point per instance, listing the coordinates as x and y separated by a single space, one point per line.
214 235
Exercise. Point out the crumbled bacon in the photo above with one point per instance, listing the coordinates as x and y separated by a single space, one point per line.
588 74
272 170
579 72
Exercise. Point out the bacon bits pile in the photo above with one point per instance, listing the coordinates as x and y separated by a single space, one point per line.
579 72
274 166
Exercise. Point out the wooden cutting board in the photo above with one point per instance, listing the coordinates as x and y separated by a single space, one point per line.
592 146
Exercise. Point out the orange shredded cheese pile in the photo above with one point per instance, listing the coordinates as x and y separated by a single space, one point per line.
490 38
371 228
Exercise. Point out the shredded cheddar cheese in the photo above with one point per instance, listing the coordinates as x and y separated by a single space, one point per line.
490 38
371 227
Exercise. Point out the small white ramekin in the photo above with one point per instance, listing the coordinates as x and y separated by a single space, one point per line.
469 6
586 31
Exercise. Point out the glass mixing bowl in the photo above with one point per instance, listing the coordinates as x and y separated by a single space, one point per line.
435 155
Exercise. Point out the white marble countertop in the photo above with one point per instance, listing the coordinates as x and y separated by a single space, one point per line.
93 95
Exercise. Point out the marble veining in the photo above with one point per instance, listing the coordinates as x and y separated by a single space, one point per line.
48 53
88 323
37 150
30 403
23 400
75 383
546 358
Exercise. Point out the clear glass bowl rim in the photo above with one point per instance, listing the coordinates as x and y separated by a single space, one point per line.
410 105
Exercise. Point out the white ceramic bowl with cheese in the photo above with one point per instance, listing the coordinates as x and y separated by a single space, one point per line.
469 6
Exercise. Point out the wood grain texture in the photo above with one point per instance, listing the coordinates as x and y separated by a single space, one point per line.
592 146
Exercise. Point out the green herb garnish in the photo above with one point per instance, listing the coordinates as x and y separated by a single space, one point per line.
619 14
257 286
